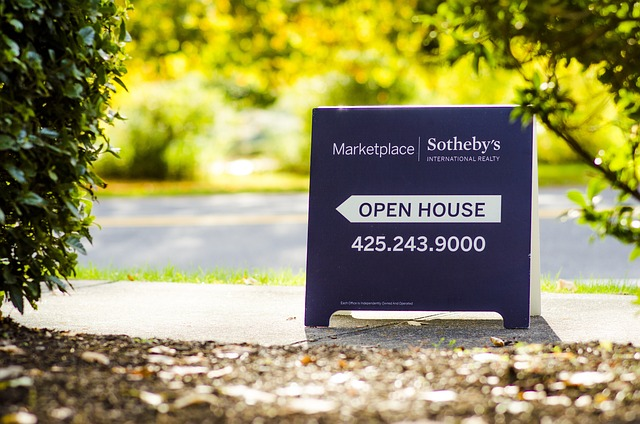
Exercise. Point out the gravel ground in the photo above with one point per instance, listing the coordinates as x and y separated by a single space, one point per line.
50 377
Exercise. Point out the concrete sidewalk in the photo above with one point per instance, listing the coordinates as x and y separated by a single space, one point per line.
275 316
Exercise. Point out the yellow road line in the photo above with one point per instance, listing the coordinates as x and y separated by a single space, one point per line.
551 213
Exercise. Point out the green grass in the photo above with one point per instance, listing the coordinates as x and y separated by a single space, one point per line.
550 285
287 277
171 274
223 184
565 174
549 175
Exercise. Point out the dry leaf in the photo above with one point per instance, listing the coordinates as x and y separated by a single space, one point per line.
306 360
10 372
233 351
566 285
439 396
220 372
486 357
164 350
63 413
95 358
606 345
195 399
414 323
310 406
497 342
251 396
183 370
161 359
131 277
588 378
296 390
150 398
193 359
250 281
12 350
20 417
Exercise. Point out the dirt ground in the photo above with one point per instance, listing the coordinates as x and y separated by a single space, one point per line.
61 377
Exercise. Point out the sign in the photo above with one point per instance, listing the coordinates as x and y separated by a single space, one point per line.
419 209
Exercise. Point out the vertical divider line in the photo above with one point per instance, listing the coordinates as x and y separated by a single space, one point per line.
418 148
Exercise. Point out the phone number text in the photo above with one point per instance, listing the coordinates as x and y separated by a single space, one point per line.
419 244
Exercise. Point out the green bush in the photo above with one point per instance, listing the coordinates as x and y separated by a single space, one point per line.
59 61
168 125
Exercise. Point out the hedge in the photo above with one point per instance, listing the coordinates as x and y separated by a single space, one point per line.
60 63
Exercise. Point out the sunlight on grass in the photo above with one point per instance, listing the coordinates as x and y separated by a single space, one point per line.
550 285
223 184
549 175
288 277
171 274
568 174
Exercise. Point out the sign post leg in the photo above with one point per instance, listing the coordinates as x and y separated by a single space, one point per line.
535 298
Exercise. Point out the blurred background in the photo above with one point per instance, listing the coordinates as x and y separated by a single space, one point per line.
220 88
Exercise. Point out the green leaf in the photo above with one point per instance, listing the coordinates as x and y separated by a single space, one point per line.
73 91
76 244
7 142
595 187
14 48
87 34
58 282
73 209
123 35
121 83
2 219
52 175
49 133
104 55
16 173
16 24
635 254
537 80
32 199
578 198
26 4
15 293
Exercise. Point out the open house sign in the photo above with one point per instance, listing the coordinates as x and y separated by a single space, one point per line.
419 209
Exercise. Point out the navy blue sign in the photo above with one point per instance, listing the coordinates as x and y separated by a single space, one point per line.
419 209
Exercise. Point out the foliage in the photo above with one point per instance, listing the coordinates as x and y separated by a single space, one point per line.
263 53
256 49
168 125
59 61
557 47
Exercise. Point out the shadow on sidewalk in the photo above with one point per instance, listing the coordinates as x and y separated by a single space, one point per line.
441 332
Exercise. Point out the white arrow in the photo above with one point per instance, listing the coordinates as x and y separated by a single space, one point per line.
422 209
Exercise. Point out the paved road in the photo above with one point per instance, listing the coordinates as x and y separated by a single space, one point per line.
269 231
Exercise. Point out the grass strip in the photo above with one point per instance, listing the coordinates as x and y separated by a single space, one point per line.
618 287
566 174
223 184
572 174
171 274
288 277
